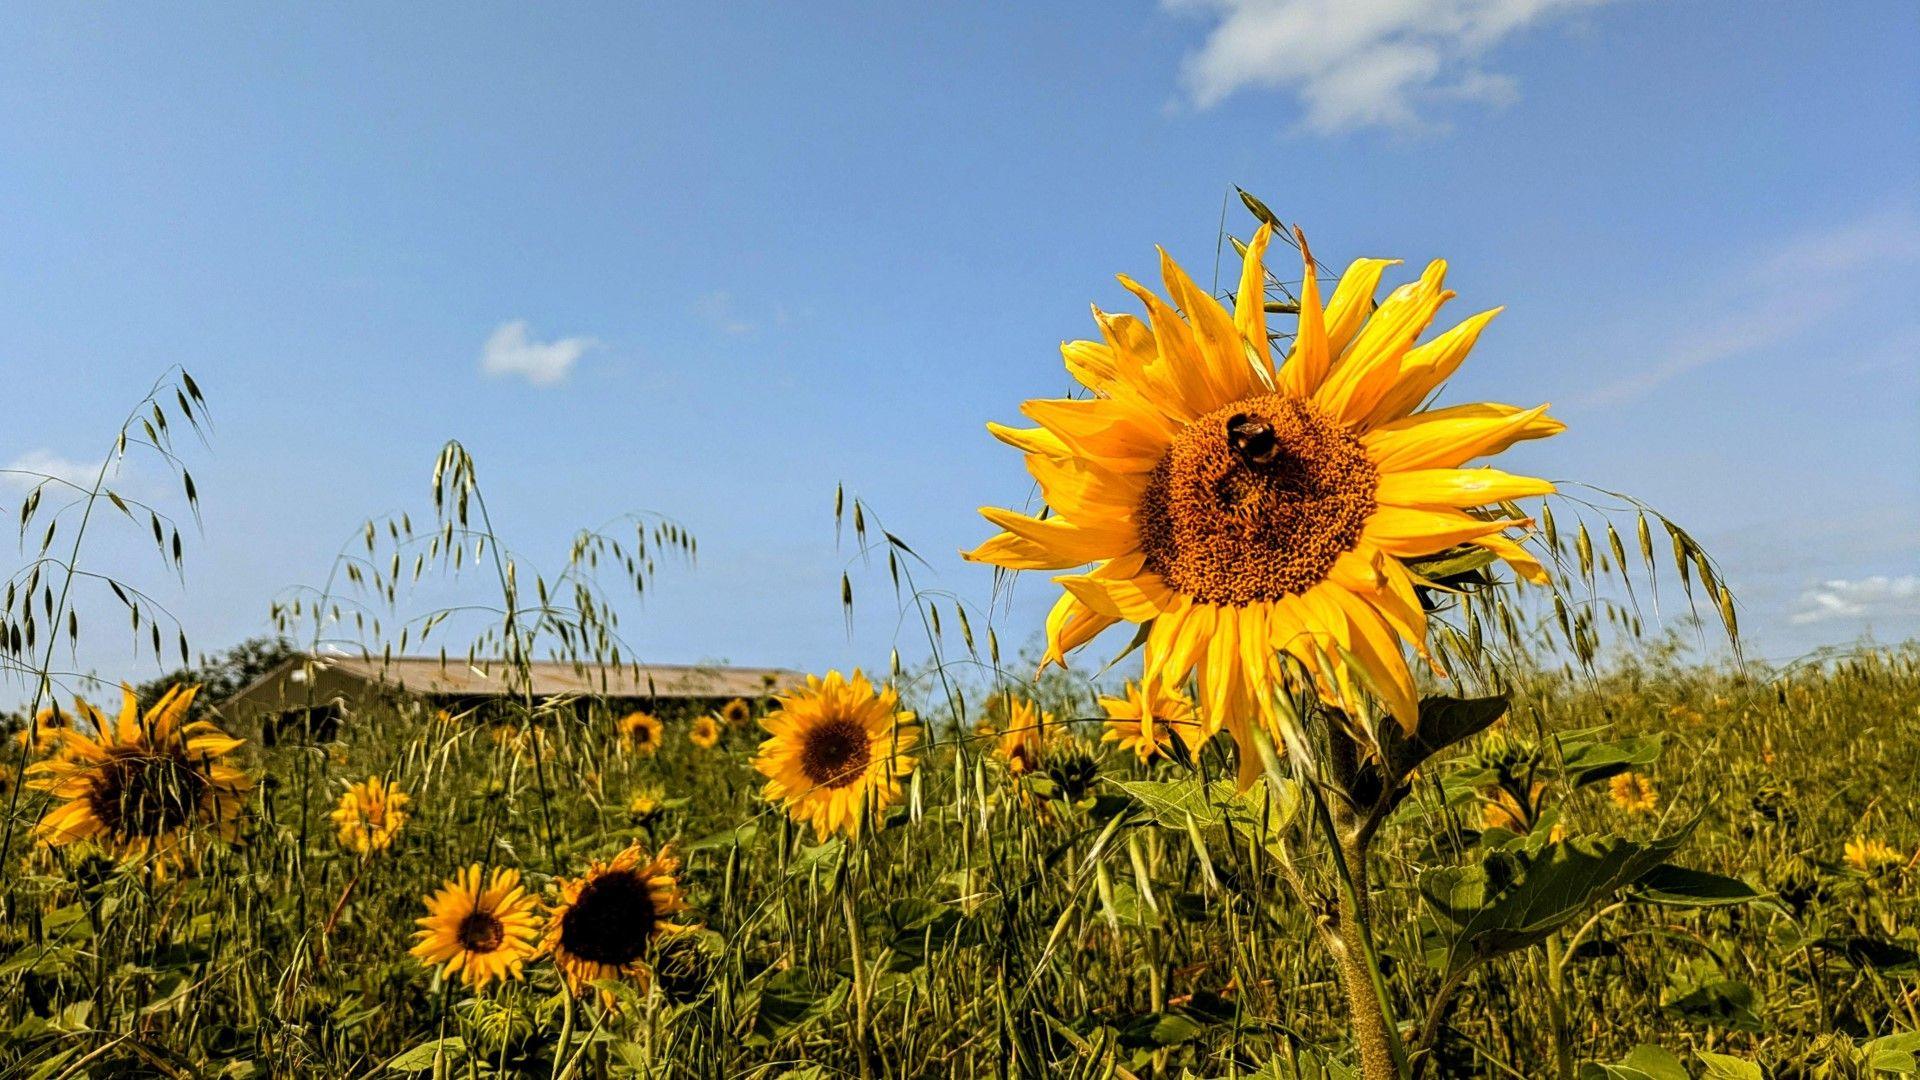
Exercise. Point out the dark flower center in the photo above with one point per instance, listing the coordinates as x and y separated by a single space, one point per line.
142 796
1255 501
481 932
836 753
612 920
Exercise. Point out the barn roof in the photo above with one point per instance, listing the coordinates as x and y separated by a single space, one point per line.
432 676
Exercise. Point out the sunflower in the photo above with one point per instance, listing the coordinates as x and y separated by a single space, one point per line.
705 732
736 712
1633 793
1500 809
1873 857
369 815
43 735
1248 510
143 784
835 744
1029 734
1148 716
643 732
481 931
607 918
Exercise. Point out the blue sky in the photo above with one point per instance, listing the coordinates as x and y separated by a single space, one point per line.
712 261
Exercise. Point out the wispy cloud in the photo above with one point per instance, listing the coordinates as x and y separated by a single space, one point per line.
1360 63
1790 289
720 309
32 467
1864 600
511 350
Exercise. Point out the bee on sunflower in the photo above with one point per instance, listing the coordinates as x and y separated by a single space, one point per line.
369 815
642 732
141 786
1249 510
607 919
705 733
736 713
1147 717
479 930
835 746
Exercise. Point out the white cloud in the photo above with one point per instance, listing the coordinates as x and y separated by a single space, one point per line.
511 350
1864 600
30 468
1359 63
720 309
1791 289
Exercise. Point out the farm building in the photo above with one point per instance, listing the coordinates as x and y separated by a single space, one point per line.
319 691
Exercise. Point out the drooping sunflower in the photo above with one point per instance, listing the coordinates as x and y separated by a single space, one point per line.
369 815
705 732
1248 509
736 712
834 745
480 931
606 919
1028 735
141 785
1148 717
643 732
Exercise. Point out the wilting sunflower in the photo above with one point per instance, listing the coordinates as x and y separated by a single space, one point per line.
1247 509
369 815
1028 735
479 931
1148 717
705 732
607 918
736 712
835 744
143 784
1633 793
643 732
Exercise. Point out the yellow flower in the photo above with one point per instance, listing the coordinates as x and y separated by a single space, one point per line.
642 732
736 712
607 918
1500 810
1872 857
705 732
143 784
1029 734
43 735
369 814
480 932
1148 716
1633 793
835 745
1247 510
645 803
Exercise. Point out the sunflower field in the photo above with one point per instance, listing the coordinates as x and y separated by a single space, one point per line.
1392 779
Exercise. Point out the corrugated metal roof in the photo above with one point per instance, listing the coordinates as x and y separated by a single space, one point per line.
454 677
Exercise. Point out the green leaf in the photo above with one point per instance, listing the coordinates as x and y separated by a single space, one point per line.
1680 885
421 1058
790 1002
1589 762
1894 1054
1161 1029
1443 722
1724 1067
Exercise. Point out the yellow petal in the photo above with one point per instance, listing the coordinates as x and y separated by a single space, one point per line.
1310 360
1457 487
1425 368
1122 435
1216 340
1250 306
1406 532
1371 365
1445 438
1070 625
1352 301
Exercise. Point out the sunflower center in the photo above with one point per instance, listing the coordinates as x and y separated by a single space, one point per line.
611 921
481 932
835 753
1254 501
145 796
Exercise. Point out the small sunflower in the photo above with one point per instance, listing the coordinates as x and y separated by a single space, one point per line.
1633 793
1027 738
1248 510
1147 718
1873 857
736 712
369 815
643 732
645 803
1501 810
607 918
834 744
43 735
480 931
705 732
143 784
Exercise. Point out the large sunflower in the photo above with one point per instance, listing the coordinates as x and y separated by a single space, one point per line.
369 815
834 744
142 785
481 931
1148 716
1248 510
607 918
